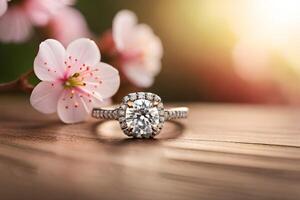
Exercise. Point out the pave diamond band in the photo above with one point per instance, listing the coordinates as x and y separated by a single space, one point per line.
176 113
100 113
141 115
113 114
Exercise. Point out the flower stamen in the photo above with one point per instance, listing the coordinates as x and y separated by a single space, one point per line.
74 81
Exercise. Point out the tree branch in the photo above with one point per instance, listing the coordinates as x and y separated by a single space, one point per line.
20 84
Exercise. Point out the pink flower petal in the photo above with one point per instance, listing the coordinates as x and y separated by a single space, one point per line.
102 103
49 62
152 66
74 20
68 2
41 11
103 82
15 26
3 6
152 45
123 25
74 106
45 95
83 51
156 47
139 76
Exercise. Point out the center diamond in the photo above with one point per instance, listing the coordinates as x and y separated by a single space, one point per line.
142 117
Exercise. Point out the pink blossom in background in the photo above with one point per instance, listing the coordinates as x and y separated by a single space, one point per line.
16 24
73 80
3 7
41 11
68 25
139 48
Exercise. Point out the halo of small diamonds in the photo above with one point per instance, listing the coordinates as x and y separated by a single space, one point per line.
141 115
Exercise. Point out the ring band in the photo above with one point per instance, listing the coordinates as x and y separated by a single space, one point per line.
112 114
141 115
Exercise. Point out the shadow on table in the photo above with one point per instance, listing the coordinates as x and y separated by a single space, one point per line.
110 132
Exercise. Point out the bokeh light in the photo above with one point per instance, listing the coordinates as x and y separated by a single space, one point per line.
215 51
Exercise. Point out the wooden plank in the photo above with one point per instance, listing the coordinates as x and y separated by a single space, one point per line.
221 152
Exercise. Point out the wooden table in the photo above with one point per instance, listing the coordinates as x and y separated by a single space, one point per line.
220 152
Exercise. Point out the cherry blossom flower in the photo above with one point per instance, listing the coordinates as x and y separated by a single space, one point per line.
139 48
18 19
73 79
74 20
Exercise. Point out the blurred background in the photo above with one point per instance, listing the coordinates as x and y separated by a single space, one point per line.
214 51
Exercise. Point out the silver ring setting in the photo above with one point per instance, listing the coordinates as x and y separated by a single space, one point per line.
141 114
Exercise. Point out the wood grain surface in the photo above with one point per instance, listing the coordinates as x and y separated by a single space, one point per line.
220 152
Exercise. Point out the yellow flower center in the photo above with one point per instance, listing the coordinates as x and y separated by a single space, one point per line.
74 81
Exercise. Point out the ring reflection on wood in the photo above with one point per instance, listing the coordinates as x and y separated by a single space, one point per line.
110 131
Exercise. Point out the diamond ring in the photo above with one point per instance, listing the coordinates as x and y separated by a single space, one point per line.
141 114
